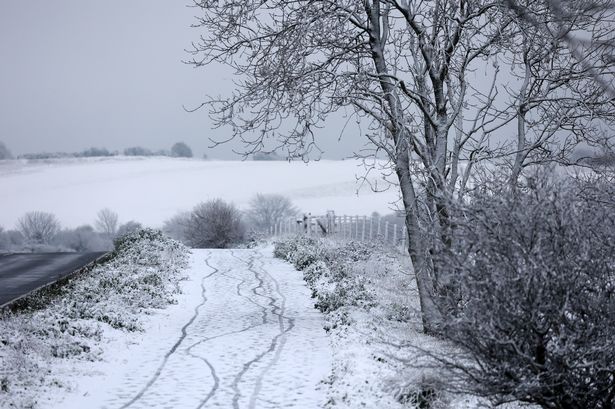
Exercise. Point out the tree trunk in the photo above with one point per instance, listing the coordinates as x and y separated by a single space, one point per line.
421 262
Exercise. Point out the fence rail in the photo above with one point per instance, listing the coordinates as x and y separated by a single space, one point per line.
361 228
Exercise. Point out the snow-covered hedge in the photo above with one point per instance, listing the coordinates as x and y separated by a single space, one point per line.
142 273
325 266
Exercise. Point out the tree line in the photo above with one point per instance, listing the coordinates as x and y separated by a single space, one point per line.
178 150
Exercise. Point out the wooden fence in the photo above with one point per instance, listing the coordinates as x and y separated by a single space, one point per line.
361 228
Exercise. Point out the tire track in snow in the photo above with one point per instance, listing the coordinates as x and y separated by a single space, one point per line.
204 340
184 334
275 310
283 332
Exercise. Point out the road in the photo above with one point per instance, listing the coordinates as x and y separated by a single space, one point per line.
22 273
244 334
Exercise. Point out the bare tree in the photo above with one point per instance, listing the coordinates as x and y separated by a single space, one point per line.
406 71
215 224
267 209
107 222
38 227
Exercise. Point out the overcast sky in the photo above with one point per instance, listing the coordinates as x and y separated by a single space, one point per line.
77 74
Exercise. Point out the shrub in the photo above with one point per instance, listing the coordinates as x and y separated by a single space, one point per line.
215 224
536 317
325 270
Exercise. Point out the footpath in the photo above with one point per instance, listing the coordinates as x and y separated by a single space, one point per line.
244 334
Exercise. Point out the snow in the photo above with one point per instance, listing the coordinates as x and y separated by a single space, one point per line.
243 334
151 190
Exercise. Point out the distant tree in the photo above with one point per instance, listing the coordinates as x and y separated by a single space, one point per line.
4 152
94 152
81 239
137 151
38 227
265 156
215 224
181 150
266 210
106 222
128 227
177 226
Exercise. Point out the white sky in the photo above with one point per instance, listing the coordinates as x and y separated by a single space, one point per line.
77 74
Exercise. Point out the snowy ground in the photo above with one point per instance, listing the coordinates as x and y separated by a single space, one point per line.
244 334
151 190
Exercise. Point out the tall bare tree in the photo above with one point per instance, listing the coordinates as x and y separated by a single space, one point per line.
267 209
106 222
406 70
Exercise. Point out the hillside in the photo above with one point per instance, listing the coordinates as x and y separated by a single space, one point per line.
150 190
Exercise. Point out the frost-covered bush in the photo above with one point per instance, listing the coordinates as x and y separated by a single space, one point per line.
142 273
214 224
325 267
536 316
331 295
287 248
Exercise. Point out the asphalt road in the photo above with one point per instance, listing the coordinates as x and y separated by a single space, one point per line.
22 273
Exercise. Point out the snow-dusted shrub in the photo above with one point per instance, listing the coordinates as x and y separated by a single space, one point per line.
325 270
314 272
331 295
287 248
400 312
536 318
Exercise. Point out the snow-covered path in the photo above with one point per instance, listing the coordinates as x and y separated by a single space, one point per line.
244 335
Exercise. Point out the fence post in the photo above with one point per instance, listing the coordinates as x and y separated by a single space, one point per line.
371 228
404 233
386 231
363 228
379 230
395 235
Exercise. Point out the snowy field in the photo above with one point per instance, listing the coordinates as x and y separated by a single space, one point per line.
151 190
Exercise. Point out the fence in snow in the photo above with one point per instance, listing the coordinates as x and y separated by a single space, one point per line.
362 228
